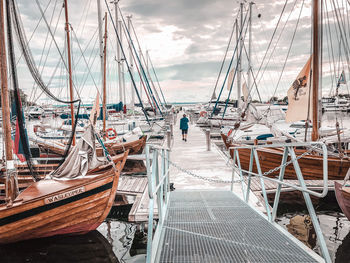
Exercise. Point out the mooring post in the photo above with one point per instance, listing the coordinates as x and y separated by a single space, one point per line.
168 136
207 135
172 129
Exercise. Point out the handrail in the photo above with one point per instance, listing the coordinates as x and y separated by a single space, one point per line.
288 152
159 189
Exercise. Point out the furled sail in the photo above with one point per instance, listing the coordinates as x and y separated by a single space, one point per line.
230 79
299 96
245 91
81 158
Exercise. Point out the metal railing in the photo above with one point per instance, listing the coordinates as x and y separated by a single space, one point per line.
288 153
159 189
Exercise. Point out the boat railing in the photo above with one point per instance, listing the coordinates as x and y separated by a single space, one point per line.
158 192
289 157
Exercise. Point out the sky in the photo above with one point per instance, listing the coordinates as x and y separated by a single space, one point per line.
186 40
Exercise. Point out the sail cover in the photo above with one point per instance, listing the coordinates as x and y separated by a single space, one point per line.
81 159
299 96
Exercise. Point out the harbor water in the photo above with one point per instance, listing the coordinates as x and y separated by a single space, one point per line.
119 241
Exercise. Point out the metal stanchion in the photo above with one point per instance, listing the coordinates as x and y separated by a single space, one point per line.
207 135
168 137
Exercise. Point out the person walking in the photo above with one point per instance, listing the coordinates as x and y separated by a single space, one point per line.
184 127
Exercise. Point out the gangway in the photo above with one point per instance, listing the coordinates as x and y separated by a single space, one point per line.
220 226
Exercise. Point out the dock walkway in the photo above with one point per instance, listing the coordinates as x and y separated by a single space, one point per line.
217 226
207 222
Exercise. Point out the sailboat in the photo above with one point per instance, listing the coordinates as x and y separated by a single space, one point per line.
303 105
75 198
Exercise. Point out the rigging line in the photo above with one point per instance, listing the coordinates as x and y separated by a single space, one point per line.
92 59
155 74
229 67
276 43
142 82
223 61
43 50
143 58
82 54
131 44
331 46
341 35
272 37
86 47
20 120
153 99
35 28
254 79
289 49
58 49
48 51
16 19
236 69
126 62
84 16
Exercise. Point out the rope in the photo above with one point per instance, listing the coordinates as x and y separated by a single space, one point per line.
126 62
28 55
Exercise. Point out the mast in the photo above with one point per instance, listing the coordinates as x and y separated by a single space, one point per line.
120 83
100 36
104 76
131 64
122 65
315 70
250 47
239 54
5 105
69 68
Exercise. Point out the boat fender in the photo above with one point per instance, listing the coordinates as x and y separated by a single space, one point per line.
111 133
203 114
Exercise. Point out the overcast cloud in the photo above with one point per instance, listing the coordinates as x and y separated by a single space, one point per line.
186 40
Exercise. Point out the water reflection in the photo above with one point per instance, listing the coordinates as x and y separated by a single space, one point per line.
342 255
127 240
92 247
301 227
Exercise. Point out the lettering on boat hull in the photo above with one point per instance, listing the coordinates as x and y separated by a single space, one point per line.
65 195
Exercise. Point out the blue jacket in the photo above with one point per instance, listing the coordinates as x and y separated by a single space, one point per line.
184 123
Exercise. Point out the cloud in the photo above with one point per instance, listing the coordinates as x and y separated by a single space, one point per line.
186 40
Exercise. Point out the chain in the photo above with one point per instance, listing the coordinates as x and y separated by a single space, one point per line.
289 162
212 180
230 181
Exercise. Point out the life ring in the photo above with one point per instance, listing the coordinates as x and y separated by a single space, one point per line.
203 114
229 133
111 133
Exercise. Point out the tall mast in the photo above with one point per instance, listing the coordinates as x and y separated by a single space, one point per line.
69 68
239 54
5 105
100 36
104 76
131 64
315 70
122 65
250 47
118 54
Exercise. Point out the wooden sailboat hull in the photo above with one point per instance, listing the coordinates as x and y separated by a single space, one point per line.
311 165
134 147
343 198
52 207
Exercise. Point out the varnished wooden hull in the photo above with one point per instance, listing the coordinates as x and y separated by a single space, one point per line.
134 147
50 207
311 165
343 198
